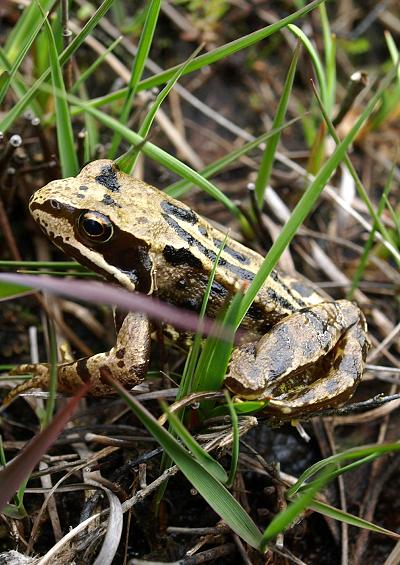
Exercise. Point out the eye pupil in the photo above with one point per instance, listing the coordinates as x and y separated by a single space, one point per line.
54 204
95 226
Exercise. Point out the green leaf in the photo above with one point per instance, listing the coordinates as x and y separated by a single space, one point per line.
338 458
10 290
347 518
215 494
267 161
307 201
295 508
146 38
20 34
316 61
203 457
22 51
65 135
76 42
128 161
235 440
214 358
187 384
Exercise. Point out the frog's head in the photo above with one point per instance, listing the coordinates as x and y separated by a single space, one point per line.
96 219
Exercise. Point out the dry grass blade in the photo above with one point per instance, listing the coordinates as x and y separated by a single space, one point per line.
19 469
114 527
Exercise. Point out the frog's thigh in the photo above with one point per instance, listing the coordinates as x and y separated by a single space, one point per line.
297 341
335 387
126 362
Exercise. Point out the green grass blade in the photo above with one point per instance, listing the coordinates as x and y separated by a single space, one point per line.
215 494
20 35
20 57
208 463
76 42
159 155
307 202
363 262
338 458
16 83
179 188
360 188
347 518
315 59
186 386
146 38
11 290
39 264
394 52
235 441
65 135
346 469
212 56
128 161
286 517
91 69
330 60
246 407
214 358
267 161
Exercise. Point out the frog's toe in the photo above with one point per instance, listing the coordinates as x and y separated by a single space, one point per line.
39 380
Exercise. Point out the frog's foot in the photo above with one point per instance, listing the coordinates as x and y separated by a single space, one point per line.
311 359
39 380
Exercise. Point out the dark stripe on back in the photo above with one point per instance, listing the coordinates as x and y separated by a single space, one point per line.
243 274
235 254
278 299
181 213
278 279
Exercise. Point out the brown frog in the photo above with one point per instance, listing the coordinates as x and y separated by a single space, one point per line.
304 352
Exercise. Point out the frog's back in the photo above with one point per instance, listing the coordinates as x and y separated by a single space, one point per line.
156 240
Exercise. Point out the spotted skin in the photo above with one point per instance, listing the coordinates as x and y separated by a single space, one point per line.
312 352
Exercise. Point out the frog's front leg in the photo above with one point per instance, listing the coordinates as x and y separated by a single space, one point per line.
309 360
126 362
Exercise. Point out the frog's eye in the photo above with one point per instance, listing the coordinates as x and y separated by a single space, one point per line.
54 204
95 226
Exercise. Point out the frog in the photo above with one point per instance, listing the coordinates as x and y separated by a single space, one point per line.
302 351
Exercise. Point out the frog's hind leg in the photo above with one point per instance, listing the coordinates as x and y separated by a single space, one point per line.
334 387
300 348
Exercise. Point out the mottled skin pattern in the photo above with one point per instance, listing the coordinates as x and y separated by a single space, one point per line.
131 233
